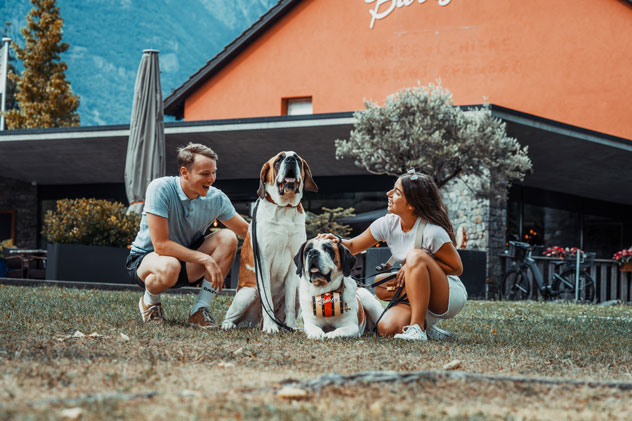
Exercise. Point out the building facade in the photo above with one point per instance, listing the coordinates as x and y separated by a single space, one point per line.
293 80
534 61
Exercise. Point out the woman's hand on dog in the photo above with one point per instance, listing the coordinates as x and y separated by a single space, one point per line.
329 236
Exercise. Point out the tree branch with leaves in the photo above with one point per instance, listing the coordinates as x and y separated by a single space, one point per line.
421 128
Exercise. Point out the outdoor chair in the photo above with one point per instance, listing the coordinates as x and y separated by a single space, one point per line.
36 267
16 264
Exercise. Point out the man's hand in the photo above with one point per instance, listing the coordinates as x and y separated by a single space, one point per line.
213 274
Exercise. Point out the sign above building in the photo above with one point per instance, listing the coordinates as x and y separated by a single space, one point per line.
379 12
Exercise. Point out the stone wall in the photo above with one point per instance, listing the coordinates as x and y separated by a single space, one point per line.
21 197
484 222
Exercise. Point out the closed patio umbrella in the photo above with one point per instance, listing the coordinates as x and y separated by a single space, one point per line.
145 159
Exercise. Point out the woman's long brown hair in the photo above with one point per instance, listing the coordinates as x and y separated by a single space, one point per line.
423 195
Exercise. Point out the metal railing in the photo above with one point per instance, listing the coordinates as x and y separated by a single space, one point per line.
611 283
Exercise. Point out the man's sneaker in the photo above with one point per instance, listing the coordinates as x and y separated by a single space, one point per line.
151 314
412 333
437 334
202 318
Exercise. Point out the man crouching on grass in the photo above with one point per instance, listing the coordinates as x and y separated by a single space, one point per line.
170 250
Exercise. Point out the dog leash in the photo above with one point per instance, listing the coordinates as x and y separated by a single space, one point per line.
259 271
395 300
384 267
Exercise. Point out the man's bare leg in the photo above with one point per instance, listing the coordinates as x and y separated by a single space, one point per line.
158 273
221 246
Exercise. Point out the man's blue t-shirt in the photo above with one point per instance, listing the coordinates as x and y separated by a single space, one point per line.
188 219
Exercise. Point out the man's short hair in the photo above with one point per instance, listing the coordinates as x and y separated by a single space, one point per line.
186 154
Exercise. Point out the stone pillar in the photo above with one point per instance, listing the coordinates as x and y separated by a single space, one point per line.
21 197
484 221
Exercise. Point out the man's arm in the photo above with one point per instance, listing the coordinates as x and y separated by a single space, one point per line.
159 233
238 225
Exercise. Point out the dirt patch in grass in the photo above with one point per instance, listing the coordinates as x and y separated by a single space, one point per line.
189 373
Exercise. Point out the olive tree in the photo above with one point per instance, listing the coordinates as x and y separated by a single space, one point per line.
421 128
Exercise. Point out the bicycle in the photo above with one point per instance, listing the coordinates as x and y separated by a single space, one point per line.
516 284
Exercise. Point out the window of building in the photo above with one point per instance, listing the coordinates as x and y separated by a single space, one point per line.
297 106
7 225
557 219
603 235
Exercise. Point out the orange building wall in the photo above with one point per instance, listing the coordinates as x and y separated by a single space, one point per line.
566 60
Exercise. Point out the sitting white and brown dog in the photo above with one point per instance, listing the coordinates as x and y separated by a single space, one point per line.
331 303
280 231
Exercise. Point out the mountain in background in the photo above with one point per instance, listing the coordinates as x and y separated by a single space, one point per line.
107 39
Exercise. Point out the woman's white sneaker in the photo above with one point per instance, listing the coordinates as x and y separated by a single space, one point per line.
438 334
412 333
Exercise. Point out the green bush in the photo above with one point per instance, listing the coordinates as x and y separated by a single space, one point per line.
327 222
5 243
91 222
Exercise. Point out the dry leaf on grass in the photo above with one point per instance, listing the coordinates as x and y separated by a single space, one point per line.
71 413
124 337
78 335
376 408
288 392
452 365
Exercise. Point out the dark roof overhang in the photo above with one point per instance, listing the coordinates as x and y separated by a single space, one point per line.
565 158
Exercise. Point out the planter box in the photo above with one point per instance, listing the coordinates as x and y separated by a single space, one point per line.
474 272
74 262
474 268
626 267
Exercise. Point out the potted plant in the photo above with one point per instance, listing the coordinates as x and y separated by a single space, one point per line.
624 259
89 240
562 253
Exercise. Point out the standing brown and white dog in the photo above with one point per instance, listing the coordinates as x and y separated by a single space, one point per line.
280 231
331 303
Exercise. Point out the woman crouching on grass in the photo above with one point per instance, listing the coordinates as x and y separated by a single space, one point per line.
429 275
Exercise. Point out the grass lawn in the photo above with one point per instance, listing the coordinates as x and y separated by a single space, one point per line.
181 372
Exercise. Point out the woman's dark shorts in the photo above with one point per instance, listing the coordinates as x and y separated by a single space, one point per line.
134 260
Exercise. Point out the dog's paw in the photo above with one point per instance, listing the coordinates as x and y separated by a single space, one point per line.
270 328
226 325
316 335
342 333
333 334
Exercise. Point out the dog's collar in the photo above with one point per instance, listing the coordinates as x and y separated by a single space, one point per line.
299 206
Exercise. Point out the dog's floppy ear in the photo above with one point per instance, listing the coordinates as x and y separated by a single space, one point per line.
261 191
348 260
309 182
298 260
